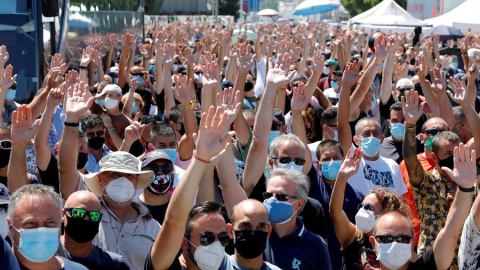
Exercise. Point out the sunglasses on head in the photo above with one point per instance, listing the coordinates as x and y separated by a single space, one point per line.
99 133
433 131
81 213
286 160
6 144
149 119
207 238
166 168
365 206
388 238
276 126
279 196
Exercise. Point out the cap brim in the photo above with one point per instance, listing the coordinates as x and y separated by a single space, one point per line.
92 183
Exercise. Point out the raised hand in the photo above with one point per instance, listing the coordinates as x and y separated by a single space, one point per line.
134 131
53 80
59 61
97 44
350 164
55 97
188 56
112 40
278 74
465 170
22 129
78 102
381 51
159 39
3 56
318 62
145 50
133 85
210 141
107 120
71 78
300 98
351 75
182 89
230 104
210 76
244 61
97 58
460 90
7 79
87 56
127 41
411 110
438 81
167 57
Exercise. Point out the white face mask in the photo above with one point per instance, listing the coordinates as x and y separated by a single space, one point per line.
394 255
326 70
365 220
3 223
209 257
110 103
291 166
120 190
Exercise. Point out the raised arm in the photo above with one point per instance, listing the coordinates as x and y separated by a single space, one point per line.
24 127
167 60
428 93
257 156
128 39
344 229
299 103
386 87
210 144
351 75
439 87
87 56
412 111
127 107
464 174
76 106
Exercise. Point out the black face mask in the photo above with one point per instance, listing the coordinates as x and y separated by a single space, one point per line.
81 230
182 129
82 160
250 243
96 142
4 157
447 162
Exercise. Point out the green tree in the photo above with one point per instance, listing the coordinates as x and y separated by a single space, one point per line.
355 7
152 7
228 7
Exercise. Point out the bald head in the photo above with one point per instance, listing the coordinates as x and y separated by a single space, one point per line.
249 211
435 123
83 199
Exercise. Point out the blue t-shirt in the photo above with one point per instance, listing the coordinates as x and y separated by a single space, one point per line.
299 250
7 259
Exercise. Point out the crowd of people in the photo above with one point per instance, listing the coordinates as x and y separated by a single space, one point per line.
304 148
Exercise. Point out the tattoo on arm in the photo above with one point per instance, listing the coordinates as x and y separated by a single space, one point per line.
414 168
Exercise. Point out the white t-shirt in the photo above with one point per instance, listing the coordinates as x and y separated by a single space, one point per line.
381 173
331 94
313 150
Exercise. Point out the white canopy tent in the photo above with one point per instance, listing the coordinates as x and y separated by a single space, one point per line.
463 17
387 16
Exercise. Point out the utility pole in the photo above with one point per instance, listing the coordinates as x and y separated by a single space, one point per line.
216 11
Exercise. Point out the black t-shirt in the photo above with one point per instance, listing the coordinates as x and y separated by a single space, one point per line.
354 122
175 265
157 211
4 180
392 150
385 115
50 176
359 255
426 262
101 259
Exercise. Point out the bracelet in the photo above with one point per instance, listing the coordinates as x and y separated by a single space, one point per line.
410 125
462 189
199 159
111 129
82 67
71 124
188 107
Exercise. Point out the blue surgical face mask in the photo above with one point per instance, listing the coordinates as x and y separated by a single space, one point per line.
331 168
100 102
115 80
335 136
38 244
370 146
151 69
278 212
10 95
454 63
172 153
273 135
398 130
290 166
334 84
134 108
139 80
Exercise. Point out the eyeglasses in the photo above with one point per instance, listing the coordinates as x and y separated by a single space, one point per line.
166 168
286 160
6 144
149 119
433 131
388 238
207 238
81 213
99 133
279 196
405 89
366 206
137 74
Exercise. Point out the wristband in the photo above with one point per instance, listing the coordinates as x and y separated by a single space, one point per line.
111 129
71 124
189 106
81 67
199 159
462 189
410 125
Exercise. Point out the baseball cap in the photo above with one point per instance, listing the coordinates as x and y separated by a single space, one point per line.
331 62
109 88
154 155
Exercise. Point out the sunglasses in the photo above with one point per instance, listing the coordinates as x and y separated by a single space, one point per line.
166 168
149 119
279 196
207 238
6 144
433 131
137 74
99 133
286 160
276 127
388 238
81 213
366 206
